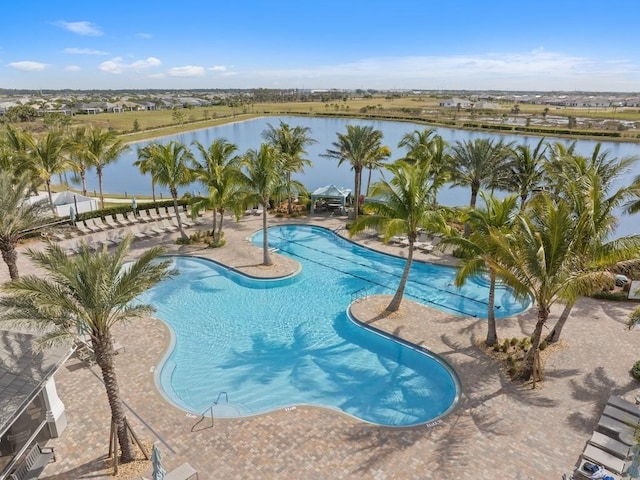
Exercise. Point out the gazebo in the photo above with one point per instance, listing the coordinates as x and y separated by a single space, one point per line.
334 196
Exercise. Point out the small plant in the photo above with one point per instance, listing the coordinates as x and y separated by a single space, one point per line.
505 345
510 360
524 343
496 347
183 241
217 244
543 345
514 341
635 371
512 371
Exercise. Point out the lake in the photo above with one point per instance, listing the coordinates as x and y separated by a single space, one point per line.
122 176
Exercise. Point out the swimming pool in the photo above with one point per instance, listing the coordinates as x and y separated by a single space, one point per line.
254 346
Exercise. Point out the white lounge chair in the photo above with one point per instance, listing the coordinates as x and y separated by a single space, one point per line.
608 461
610 445
622 404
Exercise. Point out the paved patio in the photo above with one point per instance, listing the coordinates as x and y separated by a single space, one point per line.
498 431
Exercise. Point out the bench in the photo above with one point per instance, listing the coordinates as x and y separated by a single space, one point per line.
34 463
610 445
183 472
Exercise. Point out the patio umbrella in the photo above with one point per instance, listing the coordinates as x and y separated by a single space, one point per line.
156 461
134 204
634 469
72 216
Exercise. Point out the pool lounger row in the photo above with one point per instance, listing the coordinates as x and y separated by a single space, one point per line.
610 445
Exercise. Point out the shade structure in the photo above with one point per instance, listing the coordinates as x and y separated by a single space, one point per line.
332 194
134 204
156 461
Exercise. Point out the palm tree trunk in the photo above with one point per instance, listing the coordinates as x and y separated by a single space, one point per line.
219 235
356 210
266 258
104 357
394 305
99 172
472 204
176 209
153 190
83 178
289 199
554 335
528 366
366 194
492 334
214 224
53 208
10 257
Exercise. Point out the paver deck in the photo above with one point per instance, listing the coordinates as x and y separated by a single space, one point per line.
499 430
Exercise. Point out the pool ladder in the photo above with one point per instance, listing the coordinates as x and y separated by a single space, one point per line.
210 410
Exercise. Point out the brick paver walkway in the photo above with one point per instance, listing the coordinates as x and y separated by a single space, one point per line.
498 431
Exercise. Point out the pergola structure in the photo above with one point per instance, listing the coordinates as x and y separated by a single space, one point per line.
335 198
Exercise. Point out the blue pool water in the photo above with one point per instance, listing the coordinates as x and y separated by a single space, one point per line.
256 345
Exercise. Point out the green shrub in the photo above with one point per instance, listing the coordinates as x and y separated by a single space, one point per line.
496 347
618 296
514 341
513 370
505 345
543 345
635 371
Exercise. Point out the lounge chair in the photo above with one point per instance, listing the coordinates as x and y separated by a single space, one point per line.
111 222
617 430
183 472
621 415
124 221
168 225
580 473
143 216
608 461
610 445
140 233
622 404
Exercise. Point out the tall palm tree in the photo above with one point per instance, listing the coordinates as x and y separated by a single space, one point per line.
90 292
426 144
525 170
478 164
170 167
47 157
261 178
358 146
587 184
376 161
78 161
17 216
497 214
145 165
291 144
100 148
219 171
402 205
537 260
14 155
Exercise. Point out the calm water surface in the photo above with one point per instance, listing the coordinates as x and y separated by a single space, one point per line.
123 176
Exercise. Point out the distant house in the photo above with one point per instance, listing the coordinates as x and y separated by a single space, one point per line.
456 103
147 105
30 409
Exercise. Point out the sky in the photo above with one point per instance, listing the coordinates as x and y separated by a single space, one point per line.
540 45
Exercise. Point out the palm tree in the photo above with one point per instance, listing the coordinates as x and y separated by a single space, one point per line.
525 170
376 162
170 167
291 144
17 216
497 214
358 146
537 260
78 161
426 144
90 292
403 205
479 163
100 148
145 165
219 171
47 157
261 179
587 184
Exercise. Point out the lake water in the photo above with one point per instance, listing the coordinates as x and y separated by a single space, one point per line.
122 176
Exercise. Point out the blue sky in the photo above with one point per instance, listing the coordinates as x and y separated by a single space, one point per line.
422 44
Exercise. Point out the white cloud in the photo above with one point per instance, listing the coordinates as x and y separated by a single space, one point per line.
84 51
146 36
28 66
81 28
158 75
72 68
218 68
117 66
187 71
535 70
